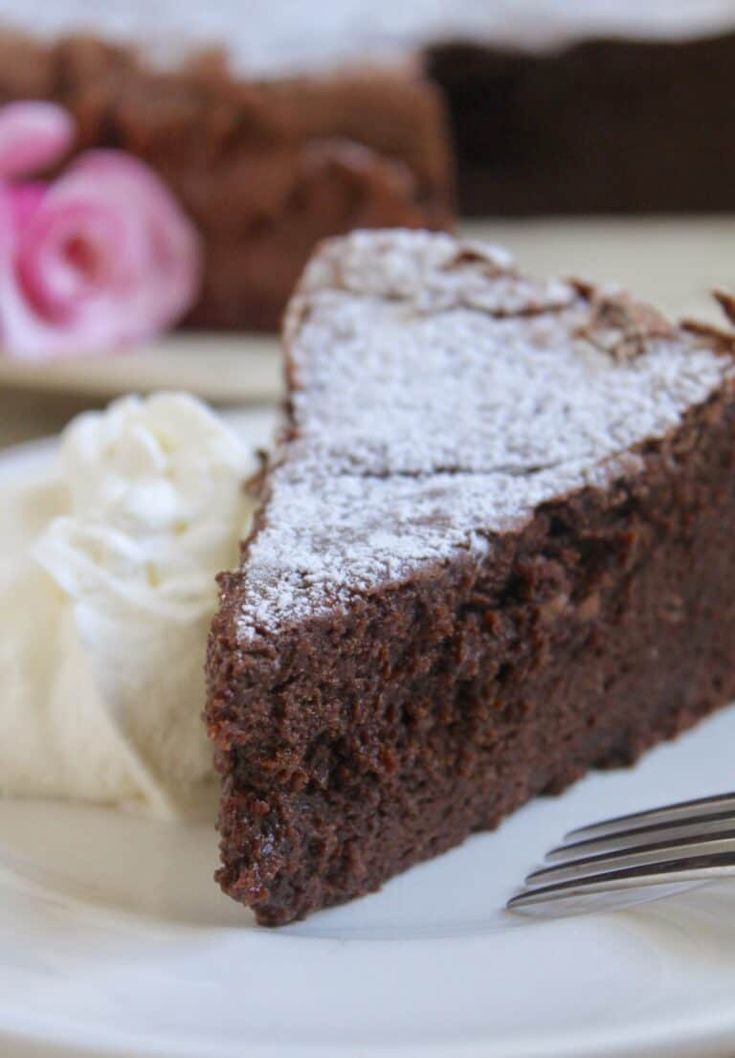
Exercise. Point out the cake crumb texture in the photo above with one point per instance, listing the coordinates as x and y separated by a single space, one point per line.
493 552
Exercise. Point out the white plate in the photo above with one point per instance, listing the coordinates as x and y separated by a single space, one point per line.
115 942
674 262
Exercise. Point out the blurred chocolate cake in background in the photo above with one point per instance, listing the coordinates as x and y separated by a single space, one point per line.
280 124
598 126
266 168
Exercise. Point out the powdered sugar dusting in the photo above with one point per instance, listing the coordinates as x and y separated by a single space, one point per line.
430 272
331 540
438 397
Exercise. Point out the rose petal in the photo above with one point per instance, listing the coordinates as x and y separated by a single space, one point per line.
25 199
23 334
159 237
69 254
106 257
33 135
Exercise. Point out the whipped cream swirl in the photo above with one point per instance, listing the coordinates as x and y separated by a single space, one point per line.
107 584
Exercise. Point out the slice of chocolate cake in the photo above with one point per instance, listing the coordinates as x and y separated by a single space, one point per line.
495 550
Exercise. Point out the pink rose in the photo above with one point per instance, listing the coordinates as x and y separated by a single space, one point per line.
32 136
101 257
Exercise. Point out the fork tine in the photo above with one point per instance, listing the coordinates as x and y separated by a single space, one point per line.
638 836
704 808
666 871
654 852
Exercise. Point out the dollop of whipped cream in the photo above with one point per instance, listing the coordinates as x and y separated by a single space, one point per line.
107 587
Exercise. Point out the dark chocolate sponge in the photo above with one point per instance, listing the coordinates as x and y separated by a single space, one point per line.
495 550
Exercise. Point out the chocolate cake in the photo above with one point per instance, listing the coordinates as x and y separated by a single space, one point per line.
494 551
593 126
265 168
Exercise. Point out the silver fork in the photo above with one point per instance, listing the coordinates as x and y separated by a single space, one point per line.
601 864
